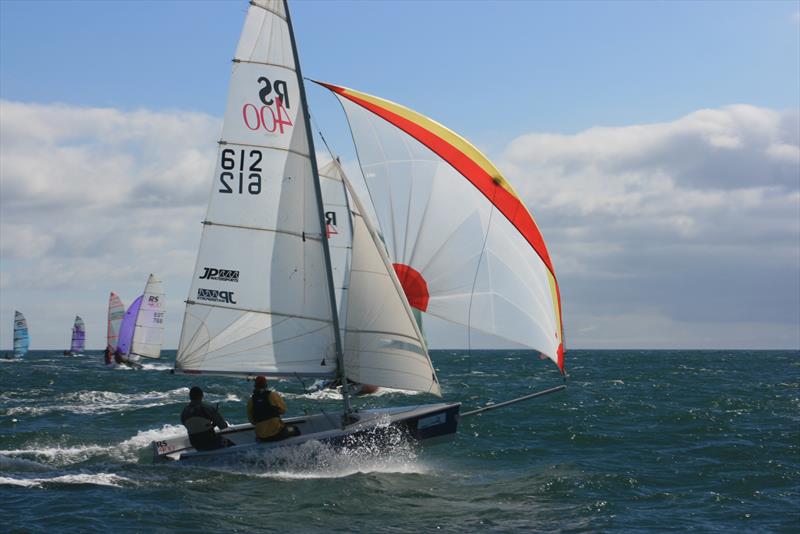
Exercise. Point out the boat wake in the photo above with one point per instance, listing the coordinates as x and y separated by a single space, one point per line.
333 394
45 456
391 452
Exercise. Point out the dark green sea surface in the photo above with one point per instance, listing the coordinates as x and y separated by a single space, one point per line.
640 441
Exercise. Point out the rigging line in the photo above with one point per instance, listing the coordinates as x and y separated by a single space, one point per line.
319 132
297 376
475 281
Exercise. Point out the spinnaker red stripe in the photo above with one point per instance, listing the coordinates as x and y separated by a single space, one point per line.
510 206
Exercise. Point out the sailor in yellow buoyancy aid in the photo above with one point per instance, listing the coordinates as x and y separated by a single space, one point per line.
264 410
200 418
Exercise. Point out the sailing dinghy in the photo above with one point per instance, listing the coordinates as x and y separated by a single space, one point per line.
21 337
141 329
78 342
116 312
273 295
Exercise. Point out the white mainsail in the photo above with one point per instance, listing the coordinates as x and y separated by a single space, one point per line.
149 328
260 299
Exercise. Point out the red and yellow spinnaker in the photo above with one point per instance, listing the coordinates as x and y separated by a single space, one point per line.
409 187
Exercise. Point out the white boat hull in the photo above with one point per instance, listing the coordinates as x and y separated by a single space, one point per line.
421 424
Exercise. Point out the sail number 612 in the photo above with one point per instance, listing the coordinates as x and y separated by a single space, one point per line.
241 171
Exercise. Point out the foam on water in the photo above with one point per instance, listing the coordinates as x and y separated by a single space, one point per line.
155 367
97 479
100 402
333 394
60 455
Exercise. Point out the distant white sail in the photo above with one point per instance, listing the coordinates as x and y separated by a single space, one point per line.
116 312
260 299
149 329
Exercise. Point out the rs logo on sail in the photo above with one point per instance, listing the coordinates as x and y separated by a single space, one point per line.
212 295
274 114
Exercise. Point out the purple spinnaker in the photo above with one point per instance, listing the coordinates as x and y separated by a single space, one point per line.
127 326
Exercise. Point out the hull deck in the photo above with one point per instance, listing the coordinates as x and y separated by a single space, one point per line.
422 424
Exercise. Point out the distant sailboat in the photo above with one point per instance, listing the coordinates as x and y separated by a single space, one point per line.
21 338
78 343
142 327
149 328
116 312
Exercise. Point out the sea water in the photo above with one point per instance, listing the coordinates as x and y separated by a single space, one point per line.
639 441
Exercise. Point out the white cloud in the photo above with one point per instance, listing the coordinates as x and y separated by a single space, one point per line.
93 200
699 217
676 234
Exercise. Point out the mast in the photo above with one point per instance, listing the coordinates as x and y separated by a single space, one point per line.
321 214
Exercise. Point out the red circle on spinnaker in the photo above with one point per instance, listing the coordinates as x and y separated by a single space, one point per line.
414 286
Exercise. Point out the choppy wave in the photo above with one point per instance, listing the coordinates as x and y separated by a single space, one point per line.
101 402
97 479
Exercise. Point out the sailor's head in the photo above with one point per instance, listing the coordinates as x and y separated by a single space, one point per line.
261 382
195 394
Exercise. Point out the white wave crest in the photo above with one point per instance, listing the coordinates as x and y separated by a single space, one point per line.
334 394
128 450
98 479
156 367
100 402
58 455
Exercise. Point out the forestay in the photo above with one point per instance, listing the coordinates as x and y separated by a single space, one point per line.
464 246
260 299
116 312
149 327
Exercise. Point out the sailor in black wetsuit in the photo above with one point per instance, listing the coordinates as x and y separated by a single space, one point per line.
200 418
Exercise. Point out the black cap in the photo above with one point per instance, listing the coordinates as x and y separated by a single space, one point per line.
195 393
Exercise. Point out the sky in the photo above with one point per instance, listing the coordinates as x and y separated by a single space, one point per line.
657 145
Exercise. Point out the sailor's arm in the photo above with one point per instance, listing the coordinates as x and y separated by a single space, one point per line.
217 418
277 401
250 410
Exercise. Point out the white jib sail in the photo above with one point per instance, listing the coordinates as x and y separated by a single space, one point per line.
339 228
149 329
260 301
383 345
